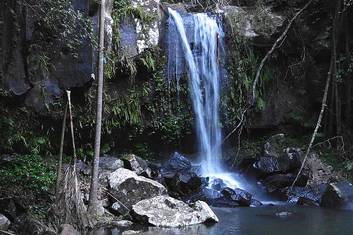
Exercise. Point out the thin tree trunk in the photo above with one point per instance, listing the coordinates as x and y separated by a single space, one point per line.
59 170
93 200
348 78
72 128
324 98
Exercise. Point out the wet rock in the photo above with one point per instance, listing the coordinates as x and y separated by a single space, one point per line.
130 232
183 184
176 164
164 211
129 188
275 182
274 146
218 184
249 23
83 168
338 195
255 203
237 196
136 164
270 165
119 208
67 229
284 214
10 208
309 195
303 201
320 172
110 163
4 222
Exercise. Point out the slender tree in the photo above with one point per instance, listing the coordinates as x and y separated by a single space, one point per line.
59 170
93 199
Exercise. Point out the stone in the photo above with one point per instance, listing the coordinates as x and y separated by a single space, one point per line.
4 222
284 214
110 163
83 168
270 165
310 194
238 196
278 181
135 163
177 163
164 211
255 203
68 229
129 188
338 195
274 146
119 208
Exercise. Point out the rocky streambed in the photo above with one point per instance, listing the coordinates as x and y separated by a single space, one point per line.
136 192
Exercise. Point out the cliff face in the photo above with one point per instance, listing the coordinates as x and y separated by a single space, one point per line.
138 100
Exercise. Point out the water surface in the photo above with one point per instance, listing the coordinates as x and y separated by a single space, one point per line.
263 221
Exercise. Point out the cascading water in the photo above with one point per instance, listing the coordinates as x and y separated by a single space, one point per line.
203 62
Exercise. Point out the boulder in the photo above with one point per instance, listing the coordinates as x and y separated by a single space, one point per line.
273 146
183 184
164 211
68 229
4 222
176 164
271 165
338 195
135 163
110 163
237 196
129 188
309 195
275 182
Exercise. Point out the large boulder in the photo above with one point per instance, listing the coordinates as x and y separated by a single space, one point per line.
275 182
237 197
129 188
176 164
164 211
307 196
338 195
136 164
271 165
180 176
4 222
67 229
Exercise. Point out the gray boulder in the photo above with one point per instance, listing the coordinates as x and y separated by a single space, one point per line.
129 188
4 222
338 195
165 211
68 229
135 163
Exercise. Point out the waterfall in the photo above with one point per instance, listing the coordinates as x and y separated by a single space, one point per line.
202 60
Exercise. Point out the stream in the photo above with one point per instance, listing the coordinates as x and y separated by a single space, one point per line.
263 221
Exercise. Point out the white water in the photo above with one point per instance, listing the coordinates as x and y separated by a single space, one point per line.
204 83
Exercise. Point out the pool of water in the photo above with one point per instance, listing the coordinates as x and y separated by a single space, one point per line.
263 221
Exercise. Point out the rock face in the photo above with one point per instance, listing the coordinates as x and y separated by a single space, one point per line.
67 229
129 188
136 164
4 222
338 195
164 211
180 176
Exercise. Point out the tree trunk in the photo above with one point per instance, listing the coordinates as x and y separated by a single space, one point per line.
59 170
93 199
348 78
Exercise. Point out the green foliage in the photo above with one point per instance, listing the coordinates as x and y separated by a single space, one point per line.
58 30
29 172
242 70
